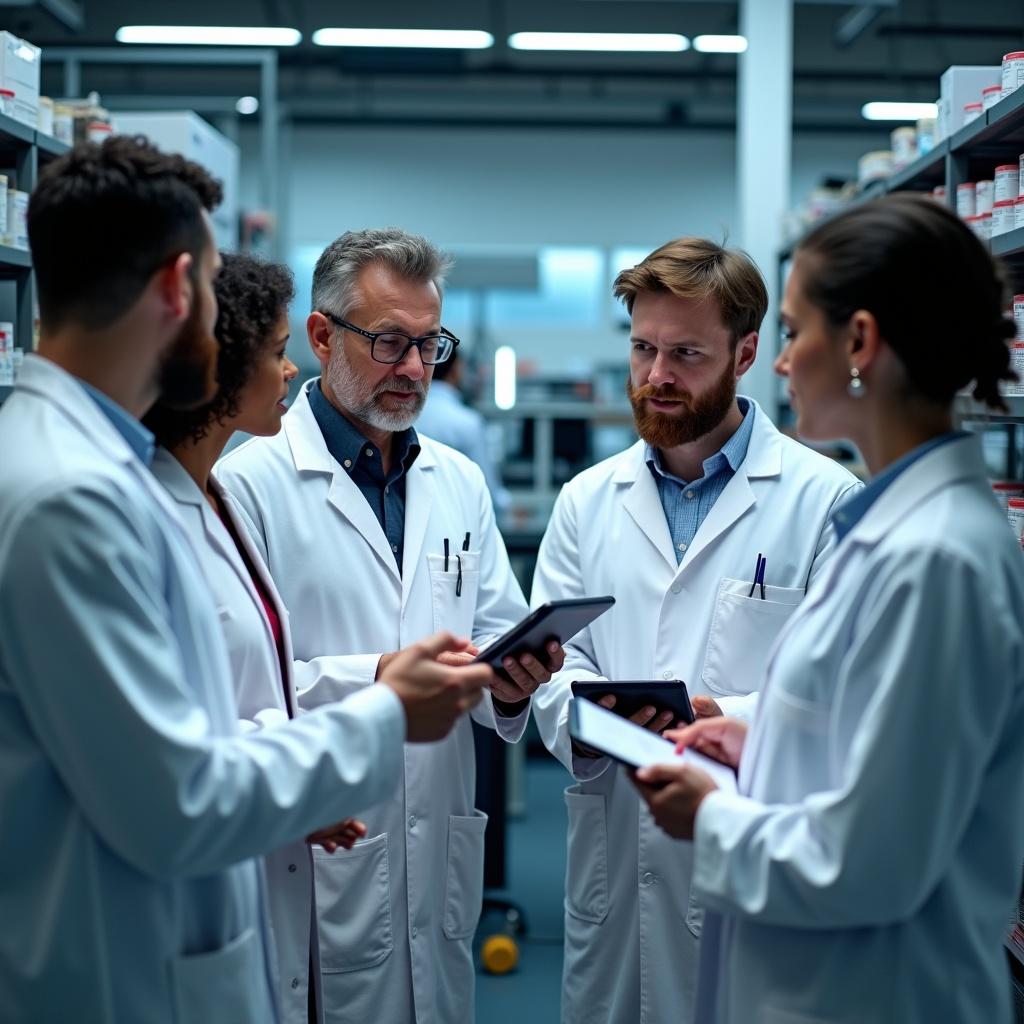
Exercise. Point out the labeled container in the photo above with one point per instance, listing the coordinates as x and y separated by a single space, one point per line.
1003 214
1015 514
991 96
99 131
981 225
1007 182
874 166
972 111
44 121
7 102
984 196
1018 212
19 73
939 194
64 124
1015 388
1013 71
1004 490
966 203
7 342
1018 316
17 219
3 208
926 135
904 146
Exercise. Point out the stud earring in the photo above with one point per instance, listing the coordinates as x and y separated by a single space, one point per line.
855 389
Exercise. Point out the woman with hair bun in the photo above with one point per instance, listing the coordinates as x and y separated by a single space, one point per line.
867 867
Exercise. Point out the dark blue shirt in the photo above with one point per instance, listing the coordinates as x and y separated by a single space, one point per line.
363 462
851 512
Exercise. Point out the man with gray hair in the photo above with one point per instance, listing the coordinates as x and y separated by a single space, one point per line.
376 538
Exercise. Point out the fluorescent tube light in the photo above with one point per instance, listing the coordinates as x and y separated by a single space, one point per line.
880 111
609 42
209 35
247 105
505 377
405 38
720 44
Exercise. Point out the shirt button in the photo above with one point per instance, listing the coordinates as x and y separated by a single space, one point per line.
676 588
667 674
347 463
387 490
412 821
648 878
369 451
292 869
394 547
295 982
689 494
682 546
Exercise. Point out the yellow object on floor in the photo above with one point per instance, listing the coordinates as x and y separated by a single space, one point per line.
499 954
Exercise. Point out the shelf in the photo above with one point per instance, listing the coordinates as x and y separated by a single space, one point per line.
13 132
925 172
967 409
49 147
1009 245
998 127
16 259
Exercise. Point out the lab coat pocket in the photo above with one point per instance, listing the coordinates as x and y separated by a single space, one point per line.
464 887
586 876
227 985
743 630
454 601
353 903
694 915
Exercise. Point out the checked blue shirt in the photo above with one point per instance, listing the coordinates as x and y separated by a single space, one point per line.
686 504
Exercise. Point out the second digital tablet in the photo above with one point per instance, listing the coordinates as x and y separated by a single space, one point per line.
556 620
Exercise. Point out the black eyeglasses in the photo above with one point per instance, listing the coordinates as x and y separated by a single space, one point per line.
392 347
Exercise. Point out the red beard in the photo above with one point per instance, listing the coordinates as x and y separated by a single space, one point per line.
697 416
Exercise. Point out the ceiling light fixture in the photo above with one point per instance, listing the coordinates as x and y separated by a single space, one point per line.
247 105
604 42
208 35
884 111
405 38
720 44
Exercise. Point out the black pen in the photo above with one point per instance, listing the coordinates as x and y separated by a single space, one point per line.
446 554
465 543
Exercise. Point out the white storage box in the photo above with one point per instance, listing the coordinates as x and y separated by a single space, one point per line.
962 84
19 72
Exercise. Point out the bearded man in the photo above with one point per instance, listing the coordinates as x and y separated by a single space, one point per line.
376 537
678 528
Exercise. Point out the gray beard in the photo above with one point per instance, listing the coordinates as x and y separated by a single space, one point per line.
350 394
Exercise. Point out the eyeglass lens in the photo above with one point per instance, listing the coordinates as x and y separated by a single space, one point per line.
390 348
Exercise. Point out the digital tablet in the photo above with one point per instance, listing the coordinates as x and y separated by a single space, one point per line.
556 620
632 745
632 695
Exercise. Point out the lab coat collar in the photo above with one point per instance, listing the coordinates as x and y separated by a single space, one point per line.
763 461
943 466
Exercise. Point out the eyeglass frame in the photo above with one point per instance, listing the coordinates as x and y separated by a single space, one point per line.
417 342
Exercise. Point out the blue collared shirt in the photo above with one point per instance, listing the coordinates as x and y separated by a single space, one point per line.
138 438
851 512
687 505
363 462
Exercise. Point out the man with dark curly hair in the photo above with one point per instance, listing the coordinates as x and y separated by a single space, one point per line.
132 808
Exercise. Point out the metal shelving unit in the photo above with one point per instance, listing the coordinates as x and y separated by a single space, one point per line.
22 152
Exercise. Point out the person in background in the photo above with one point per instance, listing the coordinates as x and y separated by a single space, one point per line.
132 808
674 528
253 372
447 418
866 868
375 537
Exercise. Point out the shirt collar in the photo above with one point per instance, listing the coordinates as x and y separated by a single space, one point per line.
852 511
346 444
732 453
137 437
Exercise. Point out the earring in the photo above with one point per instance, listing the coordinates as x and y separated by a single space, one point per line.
855 389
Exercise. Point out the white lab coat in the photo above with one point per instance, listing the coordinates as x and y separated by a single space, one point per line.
869 868
132 809
263 698
398 913
631 926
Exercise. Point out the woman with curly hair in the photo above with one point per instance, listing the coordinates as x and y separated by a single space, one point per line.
253 374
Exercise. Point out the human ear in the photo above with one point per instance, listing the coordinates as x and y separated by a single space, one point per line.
175 288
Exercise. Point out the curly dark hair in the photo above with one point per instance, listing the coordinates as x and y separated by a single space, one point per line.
105 218
252 296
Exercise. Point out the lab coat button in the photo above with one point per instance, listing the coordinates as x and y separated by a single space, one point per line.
648 878
292 869
414 933
295 982
412 821
667 674
677 588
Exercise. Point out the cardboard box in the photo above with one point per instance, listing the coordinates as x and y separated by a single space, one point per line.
962 84
19 72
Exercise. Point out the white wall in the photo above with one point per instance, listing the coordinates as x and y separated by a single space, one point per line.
524 187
